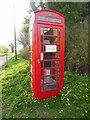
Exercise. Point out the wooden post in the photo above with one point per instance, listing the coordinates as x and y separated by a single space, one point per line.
15 32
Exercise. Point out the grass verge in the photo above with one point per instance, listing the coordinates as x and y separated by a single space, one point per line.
18 101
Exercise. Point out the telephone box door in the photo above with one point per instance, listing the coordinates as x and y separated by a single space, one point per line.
48 58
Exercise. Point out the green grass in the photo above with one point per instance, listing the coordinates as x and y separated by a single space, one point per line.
18 101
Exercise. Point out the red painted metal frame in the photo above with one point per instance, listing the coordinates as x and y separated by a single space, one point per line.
36 53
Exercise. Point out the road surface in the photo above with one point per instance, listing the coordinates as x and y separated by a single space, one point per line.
3 60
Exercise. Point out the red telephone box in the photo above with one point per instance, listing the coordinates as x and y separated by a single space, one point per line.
46 53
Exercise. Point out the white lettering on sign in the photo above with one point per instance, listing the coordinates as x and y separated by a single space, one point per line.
49 19
51 48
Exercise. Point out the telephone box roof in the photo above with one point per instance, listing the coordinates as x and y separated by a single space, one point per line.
47 10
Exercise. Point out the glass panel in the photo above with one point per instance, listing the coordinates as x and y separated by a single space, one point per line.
41 56
41 39
59 36
41 64
50 83
48 56
50 31
50 63
41 84
41 72
49 71
58 51
48 40
41 47
58 58
41 31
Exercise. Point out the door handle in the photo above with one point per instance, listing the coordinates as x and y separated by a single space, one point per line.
38 61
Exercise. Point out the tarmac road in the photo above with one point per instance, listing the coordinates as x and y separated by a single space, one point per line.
3 60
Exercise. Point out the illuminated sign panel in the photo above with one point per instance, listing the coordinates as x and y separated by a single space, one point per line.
49 19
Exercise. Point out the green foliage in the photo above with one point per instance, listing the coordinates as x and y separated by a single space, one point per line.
18 100
2 48
77 48
32 5
73 12
26 25
24 53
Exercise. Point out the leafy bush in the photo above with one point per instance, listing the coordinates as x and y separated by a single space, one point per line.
24 53
3 49
76 57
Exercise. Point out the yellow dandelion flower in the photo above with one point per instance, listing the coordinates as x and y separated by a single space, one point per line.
67 99
35 101
77 108
61 110
86 88
61 98
68 104
85 111
86 96
16 107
